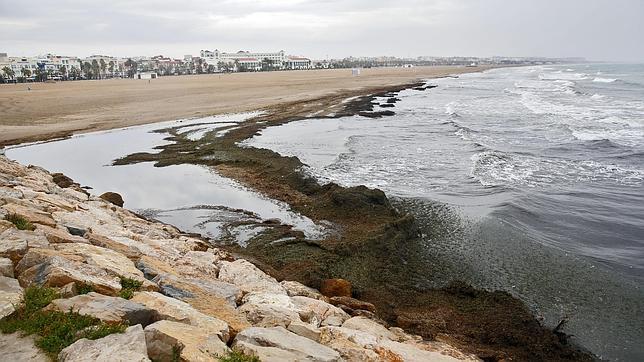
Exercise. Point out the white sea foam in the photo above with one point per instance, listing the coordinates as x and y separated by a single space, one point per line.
604 80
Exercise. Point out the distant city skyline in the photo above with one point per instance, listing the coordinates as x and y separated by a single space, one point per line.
320 29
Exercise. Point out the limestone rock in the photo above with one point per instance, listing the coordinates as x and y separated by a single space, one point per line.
183 288
294 288
269 309
57 236
395 351
305 330
199 264
255 339
129 250
15 243
68 290
195 344
106 308
4 224
267 354
248 277
317 311
335 288
113 197
10 295
15 347
55 201
34 215
129 346
369 326
58 271
6 267
178 311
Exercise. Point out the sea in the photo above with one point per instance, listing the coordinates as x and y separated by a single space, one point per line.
540 171
535 176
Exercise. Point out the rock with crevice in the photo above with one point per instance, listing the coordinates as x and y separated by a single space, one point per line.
294 289
248 277
318 312
164 338
6 267
129 346
106 308
178 311
34 215
60 236
369 326
254 339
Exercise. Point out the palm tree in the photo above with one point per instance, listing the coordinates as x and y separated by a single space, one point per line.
111 67
26 72
96 69
103 67
74 73
87 70
8 72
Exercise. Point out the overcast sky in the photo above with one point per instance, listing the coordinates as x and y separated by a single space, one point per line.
596 29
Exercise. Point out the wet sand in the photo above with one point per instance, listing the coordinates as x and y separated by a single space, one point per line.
53 110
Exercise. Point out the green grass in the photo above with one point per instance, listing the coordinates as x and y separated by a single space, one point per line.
128 287
236 356
20 222
82 288
55 330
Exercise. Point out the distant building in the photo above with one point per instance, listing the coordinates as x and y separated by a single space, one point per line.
253 61
146 75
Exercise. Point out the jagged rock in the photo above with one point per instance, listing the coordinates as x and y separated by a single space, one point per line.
62 180
34 215
184 288
129 250
248 277
335 288
368 326
317 311
305 330
106 308
37 256
256 339
129 346
16 347
10 192
294 289
10 295
269 309
351 344
58 236
68 290
389 350
267 354
15 243
352 303
114 263
55 201
199 264
163 338
6 267
178 311
57 271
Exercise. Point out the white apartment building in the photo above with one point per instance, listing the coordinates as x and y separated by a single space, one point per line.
253 61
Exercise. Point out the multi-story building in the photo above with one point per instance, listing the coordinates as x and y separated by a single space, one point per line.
254 61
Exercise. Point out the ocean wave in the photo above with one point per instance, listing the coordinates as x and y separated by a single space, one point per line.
559 75
604 80
495 168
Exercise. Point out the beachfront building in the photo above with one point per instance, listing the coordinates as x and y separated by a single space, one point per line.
244 60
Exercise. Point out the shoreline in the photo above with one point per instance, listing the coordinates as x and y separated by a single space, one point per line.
59 110
377 239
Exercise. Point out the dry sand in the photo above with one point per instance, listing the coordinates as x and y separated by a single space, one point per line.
52 110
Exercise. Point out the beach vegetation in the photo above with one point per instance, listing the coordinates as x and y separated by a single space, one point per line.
54 330
237 356
128 287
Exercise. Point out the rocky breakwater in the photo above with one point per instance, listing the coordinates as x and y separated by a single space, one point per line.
84 279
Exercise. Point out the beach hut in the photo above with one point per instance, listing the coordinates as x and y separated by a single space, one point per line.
146 75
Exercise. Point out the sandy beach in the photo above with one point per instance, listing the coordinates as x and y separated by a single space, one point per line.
52 110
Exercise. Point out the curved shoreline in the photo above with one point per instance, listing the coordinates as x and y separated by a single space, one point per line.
378 249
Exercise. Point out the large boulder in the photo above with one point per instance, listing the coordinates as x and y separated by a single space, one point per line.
178 311
248 277
59 236
10 295
187 287
129 346
15 243
264 343
269 309
395 351
57 271
16 347
335 288
106 308
164 338
32 214
113 198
